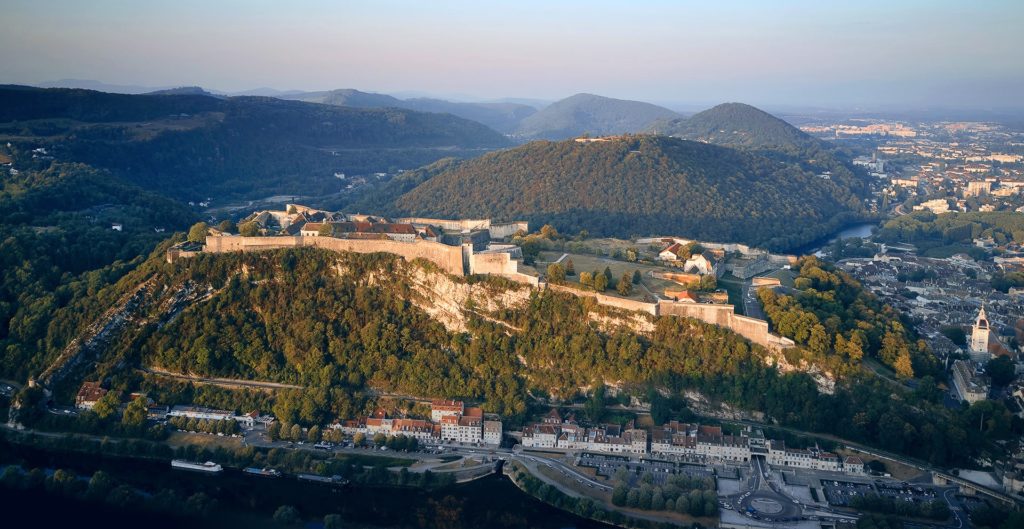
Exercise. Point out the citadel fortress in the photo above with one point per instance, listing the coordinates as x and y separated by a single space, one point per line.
458 247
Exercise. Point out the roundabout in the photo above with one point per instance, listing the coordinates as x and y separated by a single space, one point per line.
767 505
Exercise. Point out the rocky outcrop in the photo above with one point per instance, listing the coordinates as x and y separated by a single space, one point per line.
452 301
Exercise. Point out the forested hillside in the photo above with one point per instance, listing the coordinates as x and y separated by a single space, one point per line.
590 114
839 323
58 252
738 125
194 146
747 128
645 185
340 324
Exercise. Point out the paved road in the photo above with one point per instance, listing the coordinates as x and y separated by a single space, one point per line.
227 382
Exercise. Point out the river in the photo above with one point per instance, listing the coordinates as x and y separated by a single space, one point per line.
862 230
250 501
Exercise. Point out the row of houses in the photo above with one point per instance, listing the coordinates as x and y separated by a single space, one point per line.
692 441
567 434
450 422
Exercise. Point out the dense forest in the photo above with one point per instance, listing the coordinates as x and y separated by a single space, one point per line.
58 252
643 185
739 125
289 316
838 323
751 129
194 146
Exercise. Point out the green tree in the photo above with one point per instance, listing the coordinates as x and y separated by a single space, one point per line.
333 521
135 413
198 231
274 430
295 433
313 435
625 286
657 500
100 485
619 494
957 335
359 439
107 406
608 275
248 229
326 229
379 439
594 408
1001 370
633 498
636 277
556 274
287 515
227 226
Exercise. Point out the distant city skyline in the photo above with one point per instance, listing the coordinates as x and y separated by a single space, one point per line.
914 54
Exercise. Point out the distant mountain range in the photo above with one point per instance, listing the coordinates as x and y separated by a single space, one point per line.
641 185
591 114
503 117
188 145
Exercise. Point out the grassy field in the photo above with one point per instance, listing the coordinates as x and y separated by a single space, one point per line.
177 439
898 470
590 263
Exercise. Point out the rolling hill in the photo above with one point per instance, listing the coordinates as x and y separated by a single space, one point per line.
591 114
191 145
503 117
642 185
738 125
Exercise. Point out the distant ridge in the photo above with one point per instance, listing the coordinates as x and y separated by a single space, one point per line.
591 114
737 125
183 90
503 117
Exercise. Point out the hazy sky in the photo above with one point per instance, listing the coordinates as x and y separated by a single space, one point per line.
828 53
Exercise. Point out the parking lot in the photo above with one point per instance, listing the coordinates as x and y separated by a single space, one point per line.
840 493
608 465
906 491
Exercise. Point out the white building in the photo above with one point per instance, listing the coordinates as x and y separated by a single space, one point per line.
461 429
492 432
443 408
970 386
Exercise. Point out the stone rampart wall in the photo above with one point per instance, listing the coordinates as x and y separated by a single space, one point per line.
448 258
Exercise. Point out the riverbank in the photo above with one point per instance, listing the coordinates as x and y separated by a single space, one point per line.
860 229
492 501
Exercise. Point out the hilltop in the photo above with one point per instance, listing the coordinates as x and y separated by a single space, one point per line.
194 145
503 117
738 125
591 114
641 185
